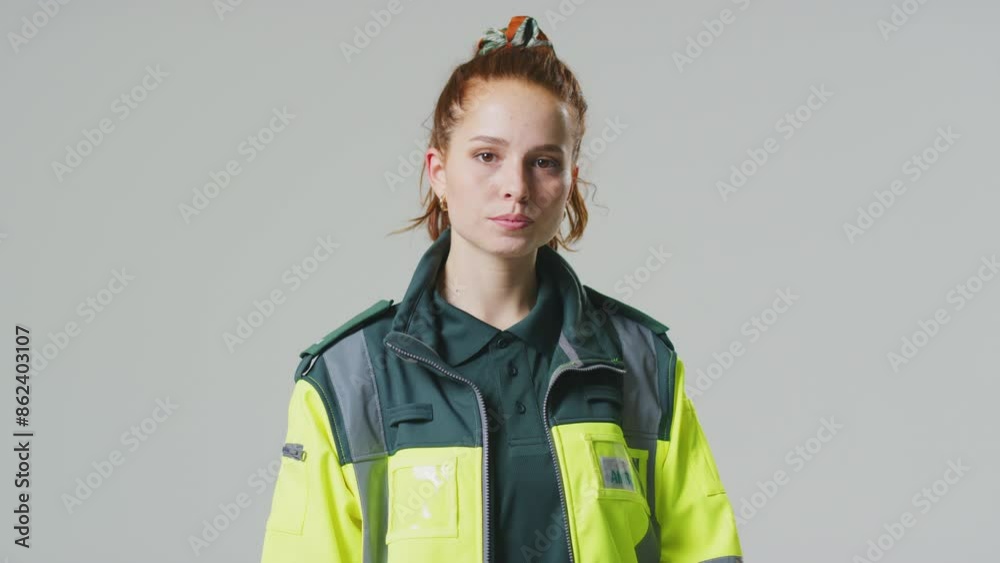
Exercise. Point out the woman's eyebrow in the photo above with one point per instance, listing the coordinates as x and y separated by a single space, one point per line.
503 143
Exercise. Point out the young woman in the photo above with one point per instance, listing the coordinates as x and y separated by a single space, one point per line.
501 411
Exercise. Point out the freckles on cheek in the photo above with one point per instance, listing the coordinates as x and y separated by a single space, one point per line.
478 175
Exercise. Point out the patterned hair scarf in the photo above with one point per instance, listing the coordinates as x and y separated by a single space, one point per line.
522 31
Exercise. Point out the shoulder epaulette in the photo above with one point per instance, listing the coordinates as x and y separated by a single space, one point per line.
656 326
309 354
629 311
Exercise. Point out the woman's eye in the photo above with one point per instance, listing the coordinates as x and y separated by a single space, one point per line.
490 159
547 163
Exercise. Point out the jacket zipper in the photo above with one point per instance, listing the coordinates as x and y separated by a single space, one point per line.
485 426
552 448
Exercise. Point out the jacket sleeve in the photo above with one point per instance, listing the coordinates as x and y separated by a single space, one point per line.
315 516
697 522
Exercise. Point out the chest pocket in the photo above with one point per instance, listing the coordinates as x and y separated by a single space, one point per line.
616 474
423 495
423 491
409 424
409 412
603 488
594 396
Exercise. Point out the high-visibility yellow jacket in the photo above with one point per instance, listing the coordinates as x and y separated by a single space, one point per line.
386 443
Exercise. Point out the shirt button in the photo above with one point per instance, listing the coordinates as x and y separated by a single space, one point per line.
513 371
502 343
520 407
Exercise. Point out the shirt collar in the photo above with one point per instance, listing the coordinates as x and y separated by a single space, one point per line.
464 335
584 330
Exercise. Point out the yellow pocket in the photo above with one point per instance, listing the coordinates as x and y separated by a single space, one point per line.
423 496
288 507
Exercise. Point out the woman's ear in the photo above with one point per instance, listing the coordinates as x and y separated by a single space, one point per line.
434 161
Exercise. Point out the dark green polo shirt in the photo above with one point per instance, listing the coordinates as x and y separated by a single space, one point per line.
511 368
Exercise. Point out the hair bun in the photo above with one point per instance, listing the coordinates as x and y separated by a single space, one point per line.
522 31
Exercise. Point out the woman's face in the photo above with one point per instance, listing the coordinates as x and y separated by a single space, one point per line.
509 154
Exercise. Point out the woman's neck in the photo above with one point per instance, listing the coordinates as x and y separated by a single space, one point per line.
498 291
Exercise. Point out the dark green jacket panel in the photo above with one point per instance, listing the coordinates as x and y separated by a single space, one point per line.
421 406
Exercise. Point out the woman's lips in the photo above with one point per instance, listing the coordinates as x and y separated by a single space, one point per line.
512 224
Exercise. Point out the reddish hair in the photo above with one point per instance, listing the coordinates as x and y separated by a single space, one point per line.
534 65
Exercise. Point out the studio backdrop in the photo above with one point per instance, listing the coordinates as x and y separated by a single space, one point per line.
806 193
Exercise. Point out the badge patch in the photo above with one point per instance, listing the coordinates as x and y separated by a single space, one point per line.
617 473
294 451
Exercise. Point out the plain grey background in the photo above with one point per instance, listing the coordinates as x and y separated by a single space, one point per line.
213 79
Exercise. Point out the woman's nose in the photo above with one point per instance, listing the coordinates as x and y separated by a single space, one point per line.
515 182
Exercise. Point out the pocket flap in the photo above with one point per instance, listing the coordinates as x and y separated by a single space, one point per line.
410 412
604 393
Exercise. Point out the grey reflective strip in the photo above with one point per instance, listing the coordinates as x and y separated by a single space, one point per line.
726 559
648 444
352 379
642 411
372 485
648 548
568 348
